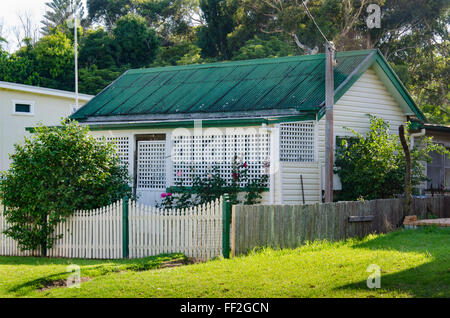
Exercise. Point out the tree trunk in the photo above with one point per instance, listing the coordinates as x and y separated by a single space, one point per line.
44 240
408 187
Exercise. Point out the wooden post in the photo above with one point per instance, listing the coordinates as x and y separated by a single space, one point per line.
329 134
226 217
303 188
408 188
125 229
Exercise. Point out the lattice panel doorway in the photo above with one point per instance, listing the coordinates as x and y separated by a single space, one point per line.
150 169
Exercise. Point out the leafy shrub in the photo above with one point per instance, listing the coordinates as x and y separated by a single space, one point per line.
208 188
373 166
55 172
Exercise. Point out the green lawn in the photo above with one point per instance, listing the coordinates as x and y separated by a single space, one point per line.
414 263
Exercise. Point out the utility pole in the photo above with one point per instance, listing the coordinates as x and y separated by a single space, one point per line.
329 133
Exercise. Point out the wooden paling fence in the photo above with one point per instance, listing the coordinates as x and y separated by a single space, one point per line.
132 230
289 226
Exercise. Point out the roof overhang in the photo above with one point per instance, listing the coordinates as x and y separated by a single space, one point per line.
436 128
200 116
43 91
193 123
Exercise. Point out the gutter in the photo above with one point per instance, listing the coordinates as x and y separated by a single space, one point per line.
236 122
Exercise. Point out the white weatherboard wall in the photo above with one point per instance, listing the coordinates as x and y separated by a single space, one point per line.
48 109
367 96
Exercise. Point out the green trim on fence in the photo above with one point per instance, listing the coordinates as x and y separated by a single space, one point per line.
226 216
125 229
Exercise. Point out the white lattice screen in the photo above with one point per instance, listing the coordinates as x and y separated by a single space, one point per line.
198 155
297 142
123 148
151 165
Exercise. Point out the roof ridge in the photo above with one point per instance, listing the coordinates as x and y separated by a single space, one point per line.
247 62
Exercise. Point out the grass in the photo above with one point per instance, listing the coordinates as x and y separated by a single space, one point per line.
414 263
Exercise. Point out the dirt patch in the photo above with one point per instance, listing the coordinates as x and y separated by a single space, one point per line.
60 283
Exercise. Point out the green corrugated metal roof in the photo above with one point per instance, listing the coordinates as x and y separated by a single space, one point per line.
288 83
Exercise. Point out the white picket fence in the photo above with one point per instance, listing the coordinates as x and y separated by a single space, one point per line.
98 234
195 232
95 234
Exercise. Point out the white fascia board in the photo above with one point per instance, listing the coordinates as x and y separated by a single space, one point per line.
44 91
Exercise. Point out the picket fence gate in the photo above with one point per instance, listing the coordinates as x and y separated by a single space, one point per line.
127 229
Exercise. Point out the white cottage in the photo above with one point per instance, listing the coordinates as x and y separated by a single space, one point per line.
173 123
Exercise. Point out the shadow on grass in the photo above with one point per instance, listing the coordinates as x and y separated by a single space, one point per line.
88 268
431 279
37 283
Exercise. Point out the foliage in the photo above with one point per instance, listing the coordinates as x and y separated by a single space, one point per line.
211 187
218 15
54 173
258 48
93 80
58 12
55 60
98 48
182 54
148 33
137 43
372 166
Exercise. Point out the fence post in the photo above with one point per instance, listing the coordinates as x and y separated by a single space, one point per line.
125 229
226 215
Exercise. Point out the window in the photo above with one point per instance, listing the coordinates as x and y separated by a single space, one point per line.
297 142
23 108
196 156
438 171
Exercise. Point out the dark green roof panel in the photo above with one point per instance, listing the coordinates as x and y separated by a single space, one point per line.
280 83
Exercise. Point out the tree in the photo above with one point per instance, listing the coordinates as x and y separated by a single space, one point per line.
137 44
172 19
59 11
263 48
98 48
182 54
93 80
55 61
56 172
218 15
20 67
27 29
372 166
109 11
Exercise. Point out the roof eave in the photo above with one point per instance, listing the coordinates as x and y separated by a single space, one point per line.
43 91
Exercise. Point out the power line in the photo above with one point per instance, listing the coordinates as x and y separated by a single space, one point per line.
317 26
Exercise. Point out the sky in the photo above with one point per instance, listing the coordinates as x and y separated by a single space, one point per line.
9 10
